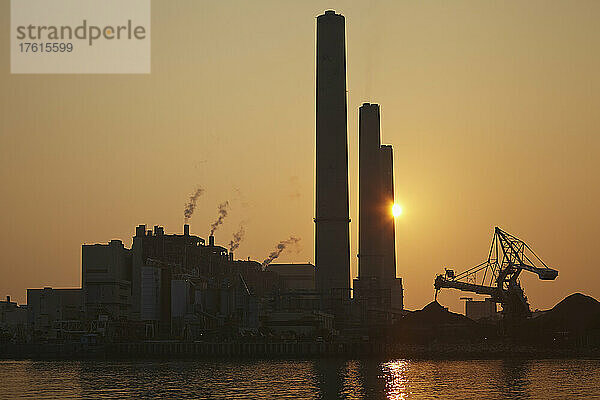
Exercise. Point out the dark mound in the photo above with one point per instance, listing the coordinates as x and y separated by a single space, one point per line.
435 324
576 312
434 314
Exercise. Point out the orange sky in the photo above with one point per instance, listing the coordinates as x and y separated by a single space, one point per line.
492 109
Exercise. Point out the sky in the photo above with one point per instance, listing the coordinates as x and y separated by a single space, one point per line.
491 107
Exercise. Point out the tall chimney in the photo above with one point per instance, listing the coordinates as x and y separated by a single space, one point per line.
370 194
388 229
186 229
211 240
332 219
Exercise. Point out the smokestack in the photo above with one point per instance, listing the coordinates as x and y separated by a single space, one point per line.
211 240
140 230
388 228
370 193
332 237
8 299
186 229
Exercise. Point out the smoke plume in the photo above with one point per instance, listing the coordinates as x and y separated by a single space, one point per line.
223 211
237 239
281 246
191 204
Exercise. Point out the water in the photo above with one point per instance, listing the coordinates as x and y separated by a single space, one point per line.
316 379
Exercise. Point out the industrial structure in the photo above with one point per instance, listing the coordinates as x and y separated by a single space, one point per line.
498 276
169 286
376 286
332 219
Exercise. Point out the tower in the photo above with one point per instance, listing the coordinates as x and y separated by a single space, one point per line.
388 242
376 286
332 236
370 195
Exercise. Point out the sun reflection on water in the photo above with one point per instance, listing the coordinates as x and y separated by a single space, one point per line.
394 373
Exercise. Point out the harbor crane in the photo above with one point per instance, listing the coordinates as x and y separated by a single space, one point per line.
498 276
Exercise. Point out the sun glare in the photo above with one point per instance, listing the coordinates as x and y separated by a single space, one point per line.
396 210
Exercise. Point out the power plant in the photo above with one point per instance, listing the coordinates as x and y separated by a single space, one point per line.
179 287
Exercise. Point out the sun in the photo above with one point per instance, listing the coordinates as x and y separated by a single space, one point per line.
396 210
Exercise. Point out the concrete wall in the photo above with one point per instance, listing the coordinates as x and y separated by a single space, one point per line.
295 276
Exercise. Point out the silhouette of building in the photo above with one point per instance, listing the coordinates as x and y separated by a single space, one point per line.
155 254
106 280
175 285
48 309
13 318
332 237
376 286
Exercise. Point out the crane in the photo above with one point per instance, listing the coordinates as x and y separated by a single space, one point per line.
498 276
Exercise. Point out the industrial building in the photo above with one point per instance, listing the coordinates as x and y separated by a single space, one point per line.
13 321
179 286
51 312
106 280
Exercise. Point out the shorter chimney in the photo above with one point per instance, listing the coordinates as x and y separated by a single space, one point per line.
211 240
140 230
8 299
231 256
186 229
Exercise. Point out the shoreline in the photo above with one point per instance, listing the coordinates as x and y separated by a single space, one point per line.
278 351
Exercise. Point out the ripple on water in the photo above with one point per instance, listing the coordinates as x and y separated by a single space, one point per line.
314 379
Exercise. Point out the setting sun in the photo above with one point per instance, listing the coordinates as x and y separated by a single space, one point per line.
396 210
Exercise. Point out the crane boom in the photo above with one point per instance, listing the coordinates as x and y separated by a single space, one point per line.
442 282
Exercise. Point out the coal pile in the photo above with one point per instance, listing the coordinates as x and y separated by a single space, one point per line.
433 314
435 323
575 313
